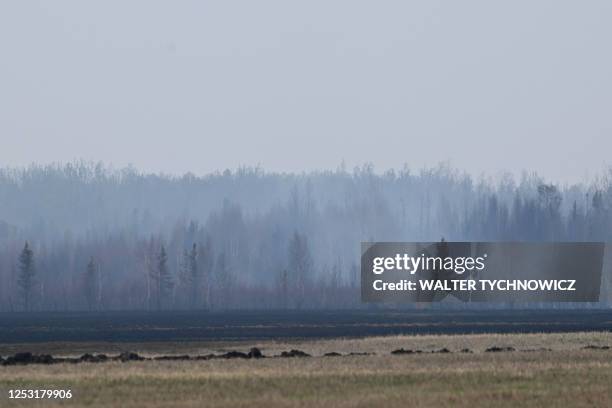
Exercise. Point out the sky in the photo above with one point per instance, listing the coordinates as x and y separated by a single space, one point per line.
200 86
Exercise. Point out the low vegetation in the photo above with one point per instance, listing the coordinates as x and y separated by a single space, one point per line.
531 370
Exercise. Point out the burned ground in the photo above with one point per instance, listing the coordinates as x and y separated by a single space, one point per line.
262 325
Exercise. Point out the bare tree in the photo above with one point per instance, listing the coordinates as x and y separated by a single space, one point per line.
90 284
283 287
300 266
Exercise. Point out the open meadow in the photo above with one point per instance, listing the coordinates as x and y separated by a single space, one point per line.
555 369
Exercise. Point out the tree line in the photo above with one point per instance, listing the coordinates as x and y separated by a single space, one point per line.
87 237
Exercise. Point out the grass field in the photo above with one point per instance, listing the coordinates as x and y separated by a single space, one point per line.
545 370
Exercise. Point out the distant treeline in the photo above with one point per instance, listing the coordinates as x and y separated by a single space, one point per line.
85 236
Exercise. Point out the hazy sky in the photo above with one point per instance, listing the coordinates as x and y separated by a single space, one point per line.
178 86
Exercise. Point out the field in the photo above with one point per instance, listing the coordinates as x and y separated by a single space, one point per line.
529 369
255 325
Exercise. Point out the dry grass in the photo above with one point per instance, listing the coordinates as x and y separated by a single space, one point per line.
381 345
565 376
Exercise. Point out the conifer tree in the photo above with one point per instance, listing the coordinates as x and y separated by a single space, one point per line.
26 275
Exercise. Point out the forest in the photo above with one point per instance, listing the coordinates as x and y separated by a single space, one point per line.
87 236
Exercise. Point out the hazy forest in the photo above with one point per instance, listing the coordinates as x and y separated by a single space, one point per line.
85 236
